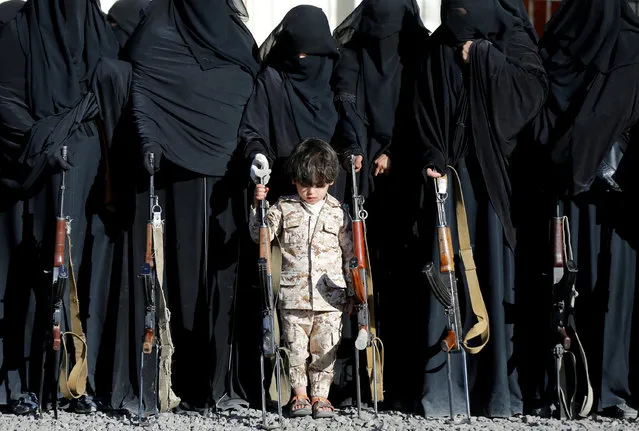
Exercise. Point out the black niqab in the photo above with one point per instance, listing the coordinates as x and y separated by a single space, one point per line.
65 39
305 29
375 29
492 20
214 32
124 16
9 9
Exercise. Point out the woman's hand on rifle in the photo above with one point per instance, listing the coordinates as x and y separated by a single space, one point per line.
260 193
358 162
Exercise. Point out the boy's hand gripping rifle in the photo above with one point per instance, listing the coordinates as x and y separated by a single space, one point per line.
269 348
574 394
445 291
149 276
59 285
362 285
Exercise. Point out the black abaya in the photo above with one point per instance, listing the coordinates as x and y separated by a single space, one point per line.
192 130
470 117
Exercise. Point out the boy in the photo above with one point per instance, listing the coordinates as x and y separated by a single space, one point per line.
315 238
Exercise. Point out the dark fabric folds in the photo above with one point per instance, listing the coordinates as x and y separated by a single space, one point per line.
504 91
9 9
586 48
214 32
194 126
378 59
124 16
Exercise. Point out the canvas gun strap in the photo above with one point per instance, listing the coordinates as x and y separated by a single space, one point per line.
376 343
167 399
285 386
583 405
481 329
73 385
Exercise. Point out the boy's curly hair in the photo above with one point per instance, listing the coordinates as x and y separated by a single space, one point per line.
313 163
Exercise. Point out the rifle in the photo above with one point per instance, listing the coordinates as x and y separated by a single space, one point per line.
59 285
360 275
269 348
148 276
445 291
569 356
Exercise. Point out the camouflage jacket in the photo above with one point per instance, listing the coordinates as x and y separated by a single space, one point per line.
315 265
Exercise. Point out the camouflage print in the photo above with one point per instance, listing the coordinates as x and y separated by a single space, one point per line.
319 333
315 273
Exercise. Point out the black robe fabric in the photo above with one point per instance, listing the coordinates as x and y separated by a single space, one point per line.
292 99
193 70
38 116
9 9
378 61
374 85
196 129
124 16
470 117
590 52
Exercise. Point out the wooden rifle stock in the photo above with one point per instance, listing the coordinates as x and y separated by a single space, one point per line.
265 247
446 254
560 277
359 249
60 236
558 242
148 255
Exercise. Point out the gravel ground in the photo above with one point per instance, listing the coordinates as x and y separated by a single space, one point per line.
250 419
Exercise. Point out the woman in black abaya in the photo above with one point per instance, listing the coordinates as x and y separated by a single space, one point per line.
61 83
292 99
382 41
194 65
481 83
591 52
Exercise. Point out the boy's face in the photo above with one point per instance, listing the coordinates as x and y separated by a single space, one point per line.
312 194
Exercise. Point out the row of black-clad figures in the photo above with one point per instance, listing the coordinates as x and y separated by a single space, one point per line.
522 120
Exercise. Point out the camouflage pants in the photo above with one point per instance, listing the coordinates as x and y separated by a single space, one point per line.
316 334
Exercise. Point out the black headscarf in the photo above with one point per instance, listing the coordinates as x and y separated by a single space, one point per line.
214 31
585 37
124 16
64 40
305 29
374 28
9 9
492 20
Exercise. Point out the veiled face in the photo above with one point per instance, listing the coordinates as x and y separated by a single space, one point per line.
469 19
382 18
